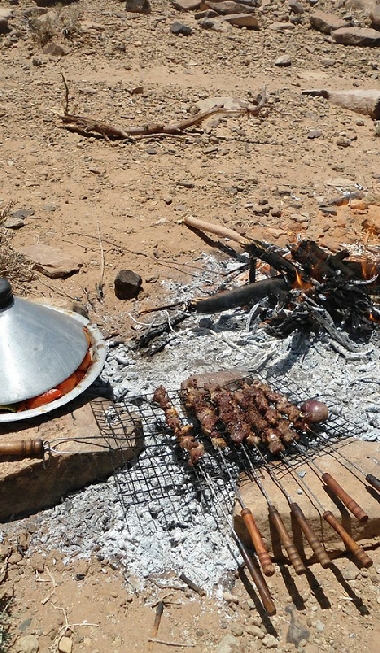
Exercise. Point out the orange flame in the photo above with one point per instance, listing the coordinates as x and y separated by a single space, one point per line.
369 268
300 283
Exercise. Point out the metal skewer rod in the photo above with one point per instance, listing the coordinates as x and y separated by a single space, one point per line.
252 528
276 520
319 550
328 516
333 485
251 565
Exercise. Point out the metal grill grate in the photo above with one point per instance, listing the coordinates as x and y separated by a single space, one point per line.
161 472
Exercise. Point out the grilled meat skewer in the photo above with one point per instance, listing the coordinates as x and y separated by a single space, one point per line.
196 400
183 433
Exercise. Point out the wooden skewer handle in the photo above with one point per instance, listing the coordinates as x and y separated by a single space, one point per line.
22 449
257 541
287 543
258 579
311 537
375 482
350 543
348 501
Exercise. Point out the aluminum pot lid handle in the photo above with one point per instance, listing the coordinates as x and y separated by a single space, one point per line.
6 293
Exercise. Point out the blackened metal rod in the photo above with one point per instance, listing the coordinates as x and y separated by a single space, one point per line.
251 565
328 516
276 520
333 485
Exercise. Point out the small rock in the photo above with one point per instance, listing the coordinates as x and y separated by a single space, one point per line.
229 644
27 644
281 27
295 6
22 213
51 261
186 5
269 641
206 13
326 23
343 141
13 223
127 284
138 6
37 562
284 60
255 631
314 133
361 36
327 62
242 20
374 15
65 645
5 15
230 598
55 49
237 630
230 7
179 28
350 573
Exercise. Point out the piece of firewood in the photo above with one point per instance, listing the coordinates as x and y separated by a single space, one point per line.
216 229
366 102
227 299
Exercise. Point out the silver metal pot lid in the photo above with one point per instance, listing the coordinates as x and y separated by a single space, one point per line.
40 347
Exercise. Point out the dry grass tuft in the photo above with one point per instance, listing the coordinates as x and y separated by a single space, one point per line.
60 21
14 266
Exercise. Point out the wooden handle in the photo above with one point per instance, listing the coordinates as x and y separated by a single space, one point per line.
258 579
350 543
257 541
348 501
375 482
320 552
22 449
287 543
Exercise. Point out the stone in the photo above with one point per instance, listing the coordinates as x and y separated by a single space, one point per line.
22 213
295 7
229 644
65 645
325 22
138 6
179 28
230 598
297 630
283 61
51 261
343 141
269 641
206 13
27 644
361 36
242 20
227 102
281 27
227 7
55 49
350 573
13 223
186 5
374 16
5 15
127 284
314 133
37 562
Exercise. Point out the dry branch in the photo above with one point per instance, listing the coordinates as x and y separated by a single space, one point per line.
217 230
239 296
90 126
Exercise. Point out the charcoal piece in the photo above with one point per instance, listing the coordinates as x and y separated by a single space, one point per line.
127 284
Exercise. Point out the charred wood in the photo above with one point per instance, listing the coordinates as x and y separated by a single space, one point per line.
222 301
